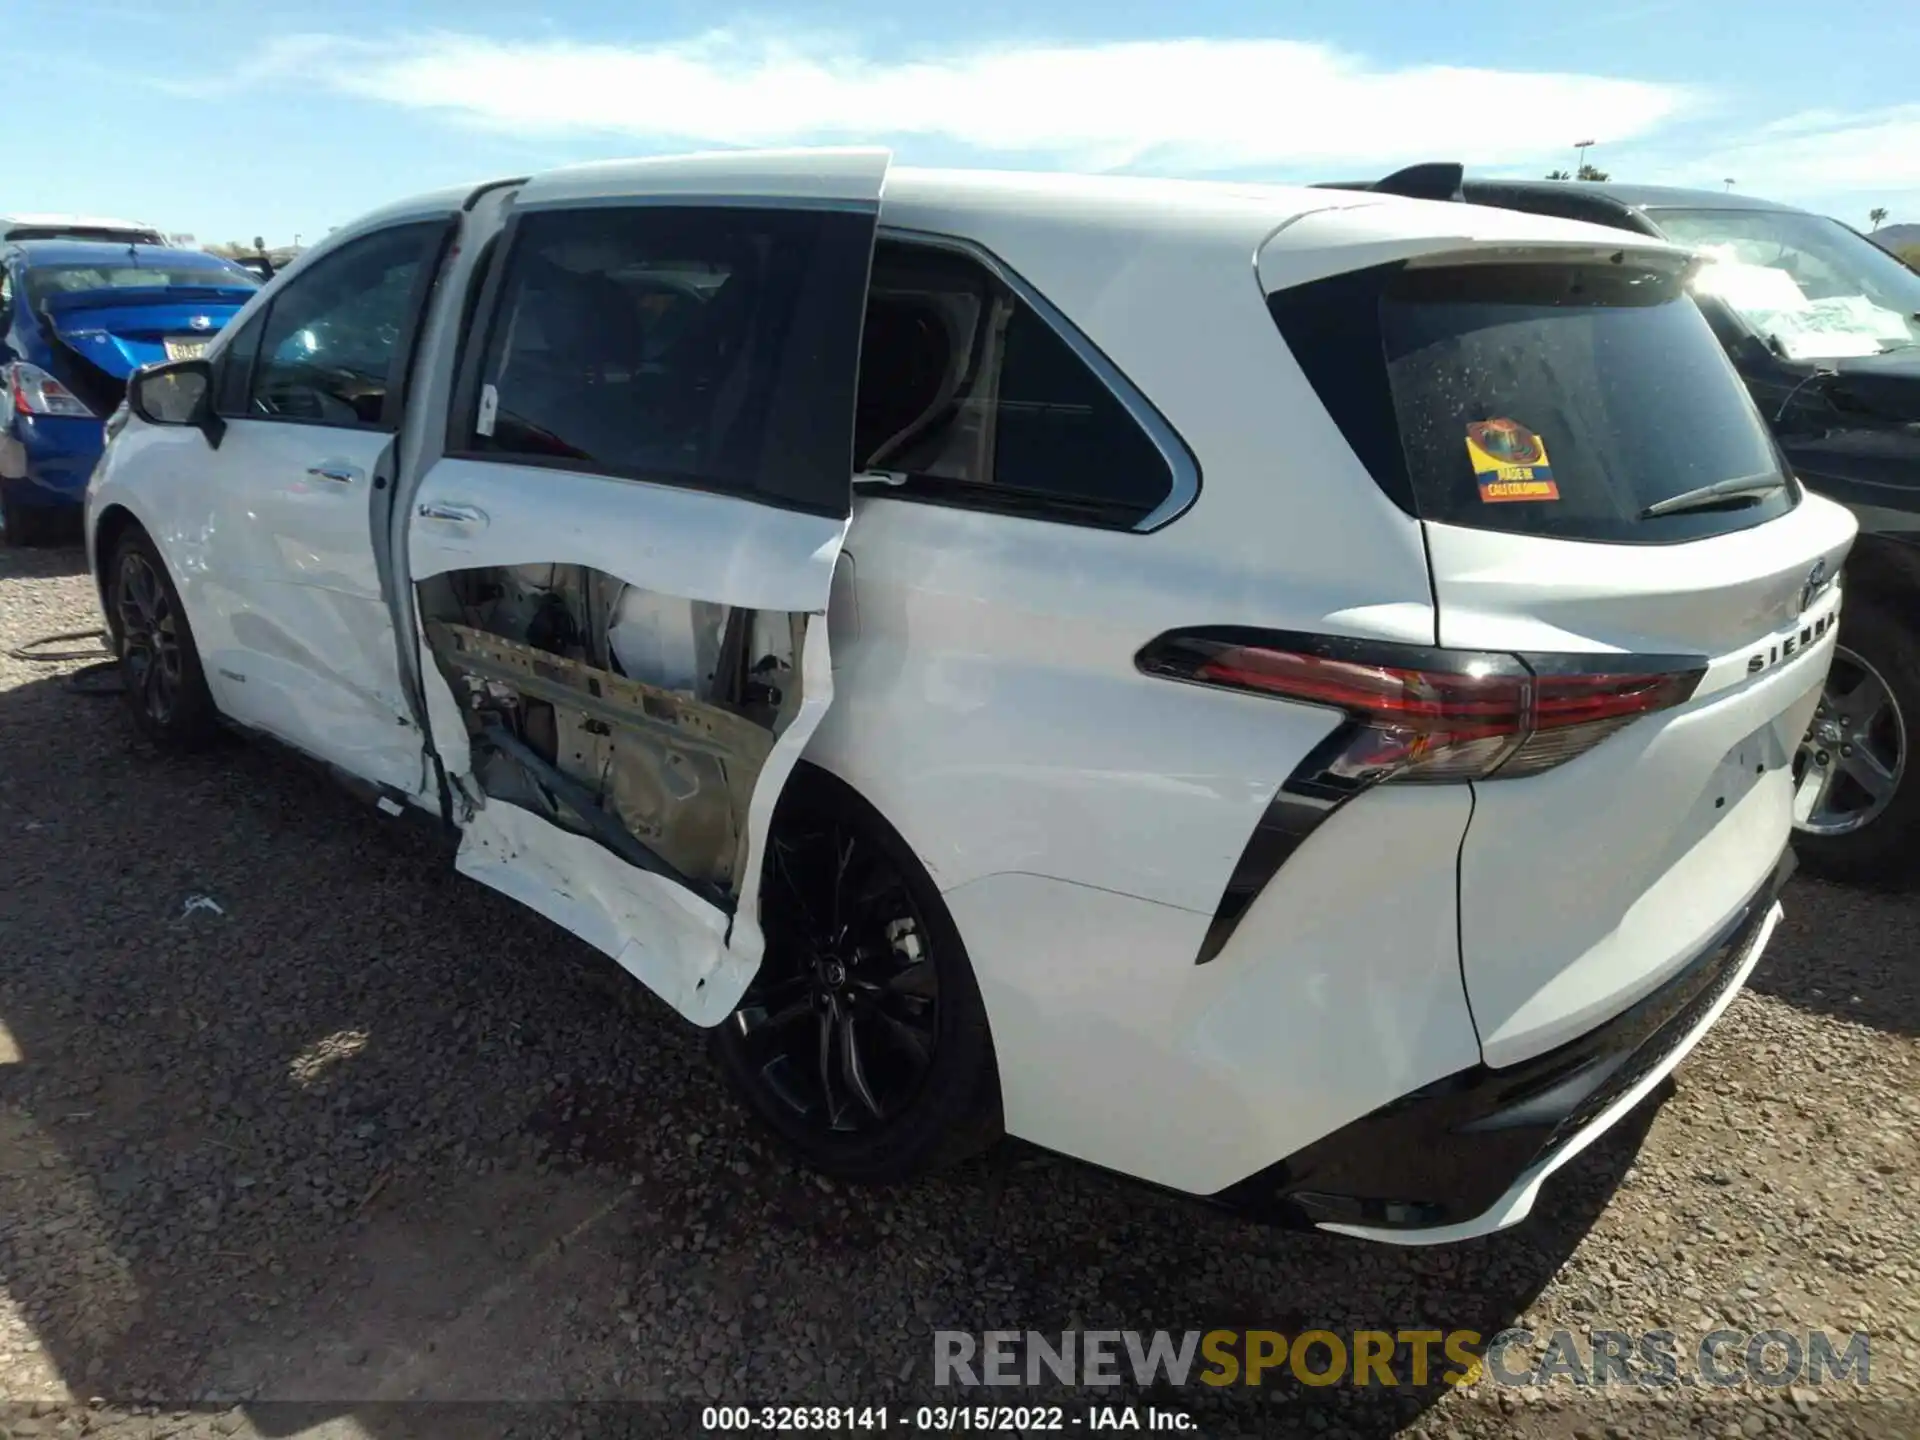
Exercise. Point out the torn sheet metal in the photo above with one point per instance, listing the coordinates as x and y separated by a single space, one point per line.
672 942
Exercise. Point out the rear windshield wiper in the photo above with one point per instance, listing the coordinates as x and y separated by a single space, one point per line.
1744 490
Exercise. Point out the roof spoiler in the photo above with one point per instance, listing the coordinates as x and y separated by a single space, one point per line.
1433 180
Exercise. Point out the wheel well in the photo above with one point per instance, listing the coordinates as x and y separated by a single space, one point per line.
1883 569
114 522
809 774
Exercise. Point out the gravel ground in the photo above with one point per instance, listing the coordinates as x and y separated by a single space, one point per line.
368 1135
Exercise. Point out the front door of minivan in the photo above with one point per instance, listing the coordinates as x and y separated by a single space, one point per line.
274 530
622 560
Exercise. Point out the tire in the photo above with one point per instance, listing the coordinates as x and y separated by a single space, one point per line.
1856 834
165 687
895 992
21 525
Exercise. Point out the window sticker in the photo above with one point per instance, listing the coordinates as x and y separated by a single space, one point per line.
1510 462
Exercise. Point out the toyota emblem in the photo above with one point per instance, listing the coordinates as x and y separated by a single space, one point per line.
1816 585
201 322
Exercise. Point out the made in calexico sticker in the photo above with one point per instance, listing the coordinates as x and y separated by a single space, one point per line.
1510 462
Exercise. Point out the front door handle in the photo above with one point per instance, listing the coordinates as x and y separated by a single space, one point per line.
452 512
337 471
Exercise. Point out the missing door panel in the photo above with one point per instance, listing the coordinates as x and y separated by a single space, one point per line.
638 718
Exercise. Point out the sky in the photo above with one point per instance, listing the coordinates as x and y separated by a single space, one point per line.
229 120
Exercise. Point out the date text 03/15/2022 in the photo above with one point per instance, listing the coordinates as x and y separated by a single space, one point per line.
940 1419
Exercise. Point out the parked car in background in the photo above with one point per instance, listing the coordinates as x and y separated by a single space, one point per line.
1270 698
1824 327
78 227
76 318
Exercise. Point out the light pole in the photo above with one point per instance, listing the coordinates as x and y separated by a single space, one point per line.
1729 184
1581 147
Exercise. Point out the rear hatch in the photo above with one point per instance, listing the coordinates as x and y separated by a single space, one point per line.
100 337
1598 495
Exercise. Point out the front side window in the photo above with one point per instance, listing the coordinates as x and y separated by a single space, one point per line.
1810 287
968 392
1580 401
330 348
713 347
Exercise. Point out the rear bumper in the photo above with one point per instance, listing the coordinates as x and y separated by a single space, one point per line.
46 460
1466 1155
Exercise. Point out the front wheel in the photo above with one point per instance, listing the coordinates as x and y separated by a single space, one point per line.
166 690
1857 799
862 1041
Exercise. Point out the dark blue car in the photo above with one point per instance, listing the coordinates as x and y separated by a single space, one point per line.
76 319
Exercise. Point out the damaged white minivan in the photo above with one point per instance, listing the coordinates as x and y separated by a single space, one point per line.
1287 694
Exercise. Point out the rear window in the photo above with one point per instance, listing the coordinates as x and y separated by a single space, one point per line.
1580 401
46 283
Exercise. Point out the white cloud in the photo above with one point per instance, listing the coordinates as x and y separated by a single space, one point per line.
1198 105
1821 152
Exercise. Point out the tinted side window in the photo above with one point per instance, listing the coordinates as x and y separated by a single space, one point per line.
710 346
332 343
980 401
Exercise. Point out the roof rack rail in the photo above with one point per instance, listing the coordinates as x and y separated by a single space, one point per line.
1433 180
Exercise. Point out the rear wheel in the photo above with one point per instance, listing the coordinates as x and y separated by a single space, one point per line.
1857 810
166 690
862 1041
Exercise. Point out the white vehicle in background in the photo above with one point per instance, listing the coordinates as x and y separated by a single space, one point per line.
1287 695
78 227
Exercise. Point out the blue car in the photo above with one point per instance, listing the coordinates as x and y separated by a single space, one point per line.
76 319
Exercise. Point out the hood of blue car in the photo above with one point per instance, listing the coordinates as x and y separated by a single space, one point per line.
121 329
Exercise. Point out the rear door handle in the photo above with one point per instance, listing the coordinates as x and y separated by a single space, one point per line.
452 512
338 471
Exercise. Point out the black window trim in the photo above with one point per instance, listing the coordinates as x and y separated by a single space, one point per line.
479 314
406 349
476 340
225 360
1089 512
392 405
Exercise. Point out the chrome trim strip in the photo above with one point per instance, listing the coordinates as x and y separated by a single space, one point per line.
1174 450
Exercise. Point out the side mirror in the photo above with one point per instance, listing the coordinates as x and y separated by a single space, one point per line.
179 393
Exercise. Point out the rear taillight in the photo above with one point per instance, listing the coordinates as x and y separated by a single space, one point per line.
1423 714
35 392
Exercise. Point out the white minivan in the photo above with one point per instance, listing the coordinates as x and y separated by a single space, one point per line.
1286 694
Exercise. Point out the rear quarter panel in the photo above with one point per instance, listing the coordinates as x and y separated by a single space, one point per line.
1082 818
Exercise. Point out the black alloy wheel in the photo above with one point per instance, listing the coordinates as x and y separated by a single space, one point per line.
843 1019
166 690
862 1039
149 639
